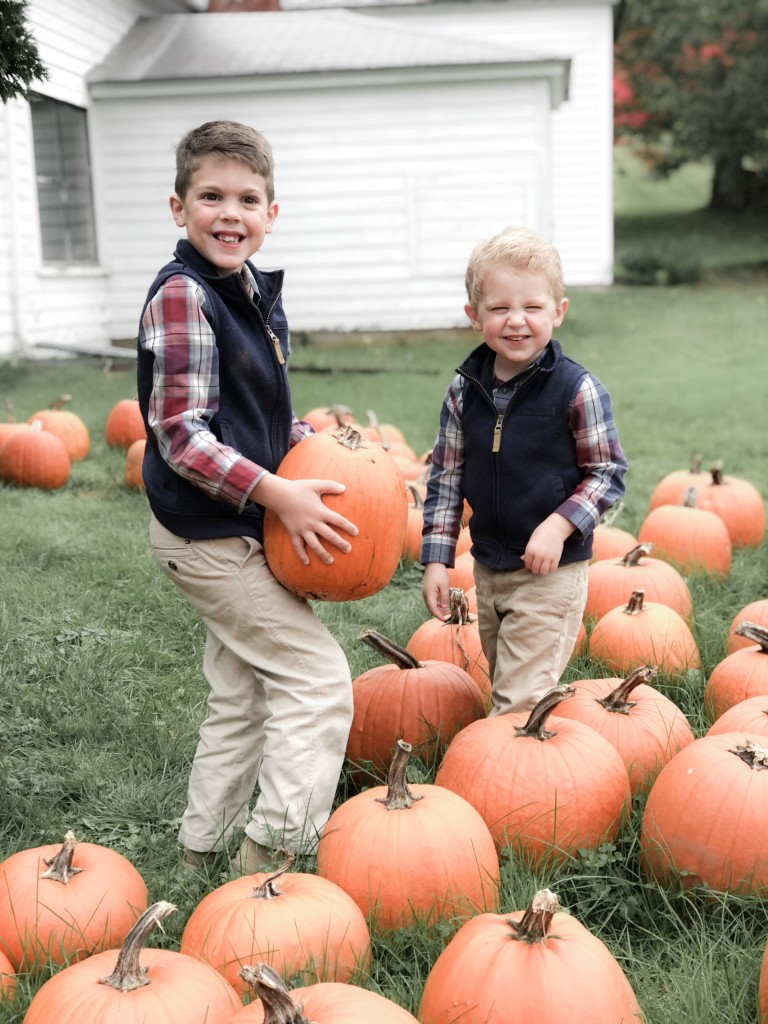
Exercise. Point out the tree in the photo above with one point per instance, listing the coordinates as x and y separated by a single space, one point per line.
695 76
20 64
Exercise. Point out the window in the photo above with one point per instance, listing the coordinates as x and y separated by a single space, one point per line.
63 172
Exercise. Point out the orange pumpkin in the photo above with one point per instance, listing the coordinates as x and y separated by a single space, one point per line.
545 787
609 540
407 853
35 458
645 727
693 539
324 418
136 985
414 523
134 460
66 902
298 923
456 640
738 503
755 611
706 817
673 487
327 1002
461 574
67 426
423 702
739 675
611 582
7 978
374 500
748 716
124 424
521 967
644 633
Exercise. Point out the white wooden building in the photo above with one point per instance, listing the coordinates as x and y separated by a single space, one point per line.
403 132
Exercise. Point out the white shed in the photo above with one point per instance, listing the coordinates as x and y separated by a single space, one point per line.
403 132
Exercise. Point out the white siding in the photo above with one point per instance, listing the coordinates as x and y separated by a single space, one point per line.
381 198
580 221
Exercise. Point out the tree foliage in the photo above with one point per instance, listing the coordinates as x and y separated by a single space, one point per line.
694 76
20 64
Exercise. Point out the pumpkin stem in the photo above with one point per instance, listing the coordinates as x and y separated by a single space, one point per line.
610 517
339 412
756 632
389 649
753 754
459 607
632 558
534 727
399 797
618 699
696 464
689 498
373 420
60 867
61 401
418 501
635 603
269 890
716 469
534 924
128 974
279 1007
349 437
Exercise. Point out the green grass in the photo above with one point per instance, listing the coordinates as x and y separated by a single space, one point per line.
102 692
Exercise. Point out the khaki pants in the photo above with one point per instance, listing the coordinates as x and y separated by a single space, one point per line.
280 702
528 627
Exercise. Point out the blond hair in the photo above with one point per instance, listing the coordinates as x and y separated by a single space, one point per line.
227 140
519 248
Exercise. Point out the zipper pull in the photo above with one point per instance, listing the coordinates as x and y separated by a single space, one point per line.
497 433
276 343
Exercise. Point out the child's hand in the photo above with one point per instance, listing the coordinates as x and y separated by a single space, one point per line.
435 589
545 545
309 522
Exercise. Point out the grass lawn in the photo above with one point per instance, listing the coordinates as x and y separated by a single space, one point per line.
102 692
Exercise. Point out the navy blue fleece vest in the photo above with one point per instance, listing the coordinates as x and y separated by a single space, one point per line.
254 415
514 489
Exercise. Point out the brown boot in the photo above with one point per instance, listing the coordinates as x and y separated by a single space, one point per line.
252 857
194 859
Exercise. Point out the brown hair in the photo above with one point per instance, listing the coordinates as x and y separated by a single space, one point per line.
228 140
515 247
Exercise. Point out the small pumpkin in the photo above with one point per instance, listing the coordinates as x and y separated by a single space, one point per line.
134 460
7 978
532 965
739 675
738 503
374 500
328 417
64 902
672 488
644 633
124 424
135 985
67 426
609 540
706 818
298 923
407 853
423 702
755 611
35 458
327 1002
545 787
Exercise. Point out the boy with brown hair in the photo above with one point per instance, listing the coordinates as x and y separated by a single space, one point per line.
213 349
527 437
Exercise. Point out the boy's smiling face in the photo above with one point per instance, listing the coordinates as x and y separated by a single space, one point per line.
226 212
516 316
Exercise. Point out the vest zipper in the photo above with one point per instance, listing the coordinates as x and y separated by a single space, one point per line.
496 444
265 322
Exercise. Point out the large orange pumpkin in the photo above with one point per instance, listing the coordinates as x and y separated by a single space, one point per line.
545 787
67 426
739 675
136 986
65 902
374 500
298 923
407 853
755 611
534 966
643 633
612 581
35 458
749 716
706 818
327 1002
645 727
455 639
738 503
423 702
695 540
124 424
673 487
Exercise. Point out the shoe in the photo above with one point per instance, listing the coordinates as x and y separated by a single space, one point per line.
252 857
194 859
